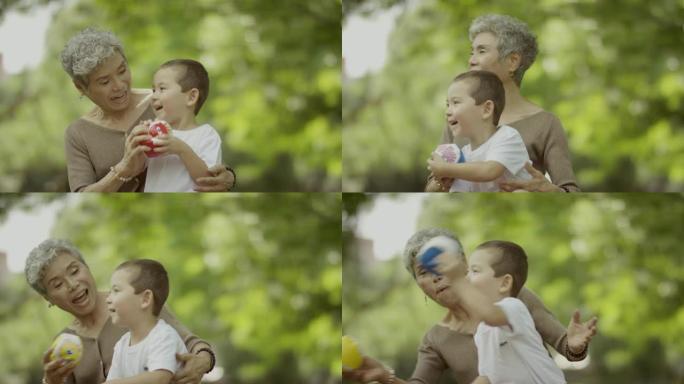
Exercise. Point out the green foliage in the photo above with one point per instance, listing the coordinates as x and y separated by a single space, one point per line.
274 95
614 256
258 276
611 73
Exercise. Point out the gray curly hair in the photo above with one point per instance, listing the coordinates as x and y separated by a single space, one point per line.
418 239
42 256
86 50
514 37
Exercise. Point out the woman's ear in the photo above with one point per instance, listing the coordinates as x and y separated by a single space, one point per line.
81 89
513 62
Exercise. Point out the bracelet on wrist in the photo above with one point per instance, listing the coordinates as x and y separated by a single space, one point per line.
119 177
211 355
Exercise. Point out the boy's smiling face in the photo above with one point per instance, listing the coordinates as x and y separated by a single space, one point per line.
462 115
123 303
169 102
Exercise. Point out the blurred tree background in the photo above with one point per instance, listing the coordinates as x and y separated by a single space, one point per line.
264 292
616 256
274 96
610 70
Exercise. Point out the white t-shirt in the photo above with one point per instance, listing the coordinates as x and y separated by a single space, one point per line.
514 354
506 147
156 351
167 173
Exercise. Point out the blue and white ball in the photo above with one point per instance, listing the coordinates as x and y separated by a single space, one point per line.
427 255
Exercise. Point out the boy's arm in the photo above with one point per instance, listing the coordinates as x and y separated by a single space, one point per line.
160 376
477 171
193 163
477 304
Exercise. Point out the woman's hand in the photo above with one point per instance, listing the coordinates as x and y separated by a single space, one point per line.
133 161
438 185
56 371
221 181
538 183
579 334
194 367
370 370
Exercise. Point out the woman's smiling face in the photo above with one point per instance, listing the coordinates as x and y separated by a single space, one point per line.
109 85
70 285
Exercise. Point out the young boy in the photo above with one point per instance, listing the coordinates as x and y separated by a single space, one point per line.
180 88
475 101
147 353
509 348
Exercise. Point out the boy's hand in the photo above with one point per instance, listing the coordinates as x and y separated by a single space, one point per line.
579 334
437 166
169 144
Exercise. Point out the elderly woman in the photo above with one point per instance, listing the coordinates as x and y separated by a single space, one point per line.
57 271
103 147
505 46
449 344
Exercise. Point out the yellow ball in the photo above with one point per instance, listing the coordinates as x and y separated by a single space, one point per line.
67 347
351 357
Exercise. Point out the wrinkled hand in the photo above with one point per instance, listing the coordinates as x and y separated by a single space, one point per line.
538 183
437 166
221 181
369 371
192 370
58 370
438 185
133 161
579 334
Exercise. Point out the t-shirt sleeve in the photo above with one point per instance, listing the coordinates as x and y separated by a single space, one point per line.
210 148
508 149
80 170
516 314
115 369
163 349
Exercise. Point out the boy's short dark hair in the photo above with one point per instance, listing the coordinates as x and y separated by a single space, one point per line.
192 75
485 85
150 275
512 261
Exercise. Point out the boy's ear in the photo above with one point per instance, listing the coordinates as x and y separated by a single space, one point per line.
193 97
487 110
506 286
147 299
